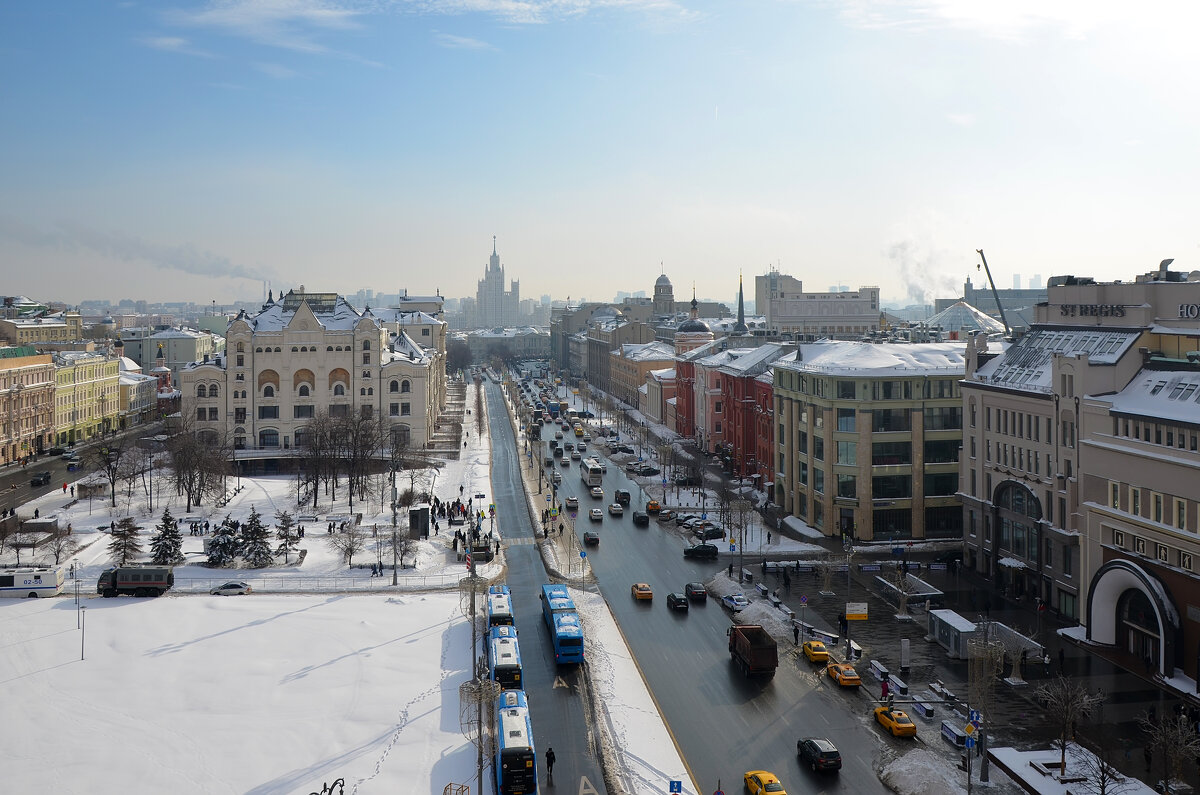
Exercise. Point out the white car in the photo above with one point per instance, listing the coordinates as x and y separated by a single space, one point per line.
557 477
232 589
736 602
572 502
597 492
575 455
596 515
616 509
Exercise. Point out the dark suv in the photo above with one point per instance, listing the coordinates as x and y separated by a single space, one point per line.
641 518
818 753
622 497
40 479
701 551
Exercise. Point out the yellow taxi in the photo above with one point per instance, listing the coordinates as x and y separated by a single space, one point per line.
815 651
895 721
759 782
843 674
653 507
641 590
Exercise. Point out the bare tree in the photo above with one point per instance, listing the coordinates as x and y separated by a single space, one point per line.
404 545
348 543
107 460
199 463
61 545
904 589
1173 739
1100 770
1065 703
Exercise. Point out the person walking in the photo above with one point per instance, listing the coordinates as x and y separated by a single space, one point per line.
796 634
550 764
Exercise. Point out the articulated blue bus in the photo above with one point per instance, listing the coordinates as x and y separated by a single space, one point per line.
501 589
566 632
555 599
516 759
504 660
499 610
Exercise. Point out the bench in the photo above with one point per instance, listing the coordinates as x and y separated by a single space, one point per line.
953 734
879 670
922 708
747 575
762 589
897 685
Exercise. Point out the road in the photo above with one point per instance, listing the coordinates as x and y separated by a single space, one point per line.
557 702
723 724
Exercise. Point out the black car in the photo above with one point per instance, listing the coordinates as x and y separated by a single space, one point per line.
591 539
701 551
624 448
56 451
677 601
40 479
708 533
647 469
622 496
641 518
696 591
818 753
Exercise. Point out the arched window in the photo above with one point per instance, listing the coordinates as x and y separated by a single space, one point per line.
295 349
268 438
212 391
241 347
278 350
405 386
329 348
394 386
362 391
366 345
268 391
401 435
370 390
258 350
201 391
338 389
303 390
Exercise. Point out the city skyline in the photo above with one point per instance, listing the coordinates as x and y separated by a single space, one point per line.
203 148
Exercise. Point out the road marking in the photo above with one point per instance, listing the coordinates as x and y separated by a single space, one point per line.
586 788
560 682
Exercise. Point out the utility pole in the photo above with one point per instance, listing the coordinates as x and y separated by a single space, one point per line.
395 573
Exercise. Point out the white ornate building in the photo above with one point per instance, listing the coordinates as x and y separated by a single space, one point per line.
311 353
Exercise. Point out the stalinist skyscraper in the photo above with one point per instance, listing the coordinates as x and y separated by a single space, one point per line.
496 306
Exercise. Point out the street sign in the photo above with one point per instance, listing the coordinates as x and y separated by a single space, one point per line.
970 742
703 515
583 553
973 716
804 599
676 786
969 729
856 611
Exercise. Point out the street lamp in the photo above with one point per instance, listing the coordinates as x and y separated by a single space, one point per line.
83 630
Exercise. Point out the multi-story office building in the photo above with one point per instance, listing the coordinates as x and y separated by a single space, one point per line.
867 438
26 402
1081 461
797 315
311 353
56 328
494 305
87 395
631 362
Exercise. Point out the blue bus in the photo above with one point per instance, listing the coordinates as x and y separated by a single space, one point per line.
499 610
567 635
501 589
516 759
504 660
555 599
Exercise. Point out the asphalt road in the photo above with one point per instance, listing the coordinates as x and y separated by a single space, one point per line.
557 703
723 723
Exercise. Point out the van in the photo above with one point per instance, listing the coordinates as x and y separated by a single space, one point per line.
622 497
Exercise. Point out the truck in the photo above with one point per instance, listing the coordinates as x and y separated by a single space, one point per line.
753 650
135 581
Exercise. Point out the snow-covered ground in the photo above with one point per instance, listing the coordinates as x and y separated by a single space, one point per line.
324 672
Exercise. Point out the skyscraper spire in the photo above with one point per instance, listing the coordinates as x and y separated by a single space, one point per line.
493 245
740 327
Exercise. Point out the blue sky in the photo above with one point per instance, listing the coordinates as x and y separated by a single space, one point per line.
175 150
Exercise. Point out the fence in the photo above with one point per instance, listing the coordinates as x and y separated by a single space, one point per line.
325 584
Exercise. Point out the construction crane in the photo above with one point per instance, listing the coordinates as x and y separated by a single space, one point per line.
996 295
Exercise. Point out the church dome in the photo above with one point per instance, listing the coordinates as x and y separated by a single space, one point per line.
692 325
662 281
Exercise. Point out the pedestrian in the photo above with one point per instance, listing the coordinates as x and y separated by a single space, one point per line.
1046 663
731 571
37 514
796 634
883 688
550 763
72 492
64 488
768 536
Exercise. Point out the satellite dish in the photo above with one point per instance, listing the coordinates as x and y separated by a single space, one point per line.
1194 276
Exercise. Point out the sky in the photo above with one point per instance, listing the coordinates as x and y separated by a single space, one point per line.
205 150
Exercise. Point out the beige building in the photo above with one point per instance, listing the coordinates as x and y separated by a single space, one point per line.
868 436
59 327
631 362
795 314
26 403
307 353
87 396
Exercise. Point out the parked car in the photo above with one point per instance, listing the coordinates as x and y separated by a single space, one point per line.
710 532
677 601
641 591
896 721
818 753
56 451
666 515
737 602
596 515
696 591
616 509
701 551
687 480
680 518
641 519
231 589
648 469
624 448
591 539
815 651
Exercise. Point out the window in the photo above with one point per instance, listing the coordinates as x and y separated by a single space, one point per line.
241 346
717 407
268 438
339 410
303 412
988 417
946 418
213 414
847 486
941 485
1048 555
1066 564
201 413
304 392
1180 514
366 358
818 448
268 391
1158 507
891 453
366 346
295 349
268 412
362 391
1135 495
201 390
803 473
818 480
405 409
847 453
366 412
1114 495
394 386
239 415
339 390
394 410
845 420
886 420
943 451
972 413
845 390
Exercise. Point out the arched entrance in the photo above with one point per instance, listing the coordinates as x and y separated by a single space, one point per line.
1130 609
1016 517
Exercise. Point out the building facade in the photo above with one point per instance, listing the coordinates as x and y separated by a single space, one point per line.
797 315
631 362
45 328
87 396
26 403
494 305
868 436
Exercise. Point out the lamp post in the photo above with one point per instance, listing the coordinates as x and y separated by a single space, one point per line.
83 630
395 573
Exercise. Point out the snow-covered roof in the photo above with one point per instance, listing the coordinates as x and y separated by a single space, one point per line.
962 315
1027 364
333 316
1165 395
177 333
509 333
647 351
1012 563
128 365
752 361
954 620
666 374
403 346
403 317
875 359
130 379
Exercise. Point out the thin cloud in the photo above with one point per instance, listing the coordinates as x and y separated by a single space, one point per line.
174 44
452 42
72 237
278 71
961 119
287 24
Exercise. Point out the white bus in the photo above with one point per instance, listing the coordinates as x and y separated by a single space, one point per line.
590 472
23 583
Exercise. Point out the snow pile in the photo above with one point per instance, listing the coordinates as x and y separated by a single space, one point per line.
921 772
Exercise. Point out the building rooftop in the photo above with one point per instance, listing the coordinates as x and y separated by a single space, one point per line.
1163 395
1027 364
872 359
